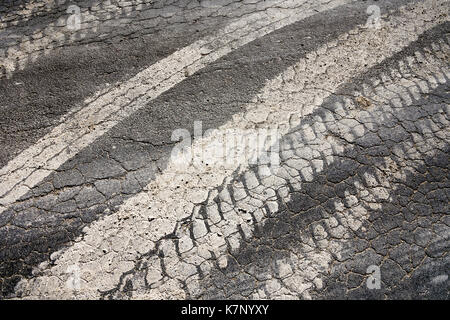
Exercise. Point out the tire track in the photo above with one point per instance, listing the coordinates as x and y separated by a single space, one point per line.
242 206
46 219
161 224
101 113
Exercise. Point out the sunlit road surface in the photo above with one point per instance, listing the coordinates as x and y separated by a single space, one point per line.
224 149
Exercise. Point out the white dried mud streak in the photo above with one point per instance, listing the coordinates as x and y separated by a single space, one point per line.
111 247
80 128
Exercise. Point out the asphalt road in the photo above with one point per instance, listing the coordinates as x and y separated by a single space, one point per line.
255 149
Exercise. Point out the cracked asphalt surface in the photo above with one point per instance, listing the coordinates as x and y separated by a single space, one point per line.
94 205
